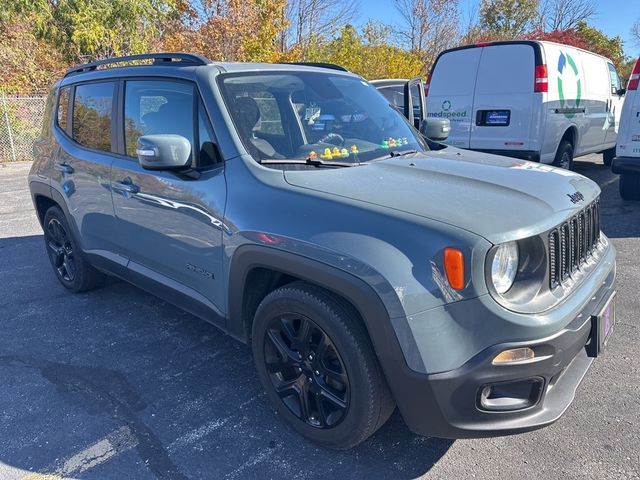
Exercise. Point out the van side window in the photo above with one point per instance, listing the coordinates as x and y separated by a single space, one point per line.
63 108
157 107
92 106
270 122
615 79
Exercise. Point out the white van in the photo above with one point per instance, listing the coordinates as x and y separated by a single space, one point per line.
535 100
627 161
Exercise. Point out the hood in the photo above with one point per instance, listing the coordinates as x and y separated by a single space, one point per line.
496 197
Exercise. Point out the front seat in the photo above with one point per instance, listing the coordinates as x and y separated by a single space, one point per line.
247 115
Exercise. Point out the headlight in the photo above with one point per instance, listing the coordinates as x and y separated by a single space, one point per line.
504 266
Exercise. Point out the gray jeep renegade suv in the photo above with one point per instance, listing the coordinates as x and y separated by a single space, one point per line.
294 208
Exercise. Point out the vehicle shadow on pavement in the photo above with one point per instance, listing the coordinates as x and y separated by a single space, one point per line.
620 218
116 383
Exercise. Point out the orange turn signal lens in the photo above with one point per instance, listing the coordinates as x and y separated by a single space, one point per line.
454 267
515 355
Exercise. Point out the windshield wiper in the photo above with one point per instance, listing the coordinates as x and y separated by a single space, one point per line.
307 161
395 153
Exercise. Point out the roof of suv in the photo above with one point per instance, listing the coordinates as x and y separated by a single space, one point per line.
180 59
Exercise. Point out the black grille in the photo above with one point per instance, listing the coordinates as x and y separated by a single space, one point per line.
572 243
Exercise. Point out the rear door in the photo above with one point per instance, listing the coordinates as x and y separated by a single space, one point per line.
503 108
628 141
85 131
450 92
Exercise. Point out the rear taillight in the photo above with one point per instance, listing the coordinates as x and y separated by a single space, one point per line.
426 85
634 79
541 82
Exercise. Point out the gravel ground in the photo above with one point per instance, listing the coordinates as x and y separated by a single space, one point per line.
117 384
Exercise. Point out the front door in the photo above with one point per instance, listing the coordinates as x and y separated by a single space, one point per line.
170 223
615 106
414 102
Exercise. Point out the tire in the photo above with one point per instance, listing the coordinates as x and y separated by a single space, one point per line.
564 156
310 345
67 260
607 156
630 186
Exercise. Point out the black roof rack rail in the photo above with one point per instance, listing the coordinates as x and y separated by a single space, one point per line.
165 58
332 66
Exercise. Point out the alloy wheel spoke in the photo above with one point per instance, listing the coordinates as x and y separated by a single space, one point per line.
326 393
288 355
69 267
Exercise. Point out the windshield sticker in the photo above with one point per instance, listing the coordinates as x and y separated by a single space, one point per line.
311 113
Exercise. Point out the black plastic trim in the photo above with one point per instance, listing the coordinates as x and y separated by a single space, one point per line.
622 165
531 155
165 58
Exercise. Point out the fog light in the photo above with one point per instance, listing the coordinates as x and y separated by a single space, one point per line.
514 355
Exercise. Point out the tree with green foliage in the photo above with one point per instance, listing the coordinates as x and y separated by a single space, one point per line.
83 30
368 53
508 18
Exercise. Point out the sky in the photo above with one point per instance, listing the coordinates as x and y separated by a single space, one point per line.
613 17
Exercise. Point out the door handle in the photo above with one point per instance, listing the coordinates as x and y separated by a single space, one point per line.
125 186
63 167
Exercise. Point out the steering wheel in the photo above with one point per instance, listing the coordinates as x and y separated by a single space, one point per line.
333 139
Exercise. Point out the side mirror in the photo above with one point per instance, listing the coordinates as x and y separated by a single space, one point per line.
621 91
436 129
163 152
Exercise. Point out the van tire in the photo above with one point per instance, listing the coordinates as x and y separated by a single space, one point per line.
630 186
368 401
607 156
564 156
71 267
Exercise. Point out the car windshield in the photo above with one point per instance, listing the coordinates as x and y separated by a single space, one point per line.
315 116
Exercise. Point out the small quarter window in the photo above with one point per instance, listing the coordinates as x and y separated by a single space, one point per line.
63 108
92 107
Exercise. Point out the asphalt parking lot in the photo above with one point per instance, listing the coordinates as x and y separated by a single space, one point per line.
118 384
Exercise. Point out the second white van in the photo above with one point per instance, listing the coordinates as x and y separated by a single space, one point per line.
536 100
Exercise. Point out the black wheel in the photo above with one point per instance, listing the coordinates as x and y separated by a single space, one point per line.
67 260
607 156
630 186
318 368
564 156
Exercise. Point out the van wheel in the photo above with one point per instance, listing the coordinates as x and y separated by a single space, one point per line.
318 367
630 186
564 156
607 156
69 264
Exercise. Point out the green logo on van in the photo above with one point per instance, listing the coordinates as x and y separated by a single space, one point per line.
446 105
568 74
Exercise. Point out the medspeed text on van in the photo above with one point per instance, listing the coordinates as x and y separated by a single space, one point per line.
534 100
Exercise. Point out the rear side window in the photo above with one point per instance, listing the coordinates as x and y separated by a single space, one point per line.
63 108
395 95
92 108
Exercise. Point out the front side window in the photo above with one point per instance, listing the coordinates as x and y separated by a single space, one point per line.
615 79
326 116
92 108
157 107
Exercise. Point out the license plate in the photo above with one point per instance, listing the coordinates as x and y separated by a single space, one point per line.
498 117
604 323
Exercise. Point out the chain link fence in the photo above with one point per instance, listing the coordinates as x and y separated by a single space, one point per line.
20 125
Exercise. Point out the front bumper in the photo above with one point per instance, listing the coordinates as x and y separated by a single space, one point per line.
447 404
626 165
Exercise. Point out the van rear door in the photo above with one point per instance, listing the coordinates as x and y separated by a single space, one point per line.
450 92
504 105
